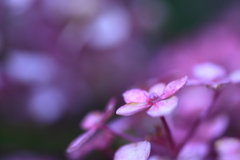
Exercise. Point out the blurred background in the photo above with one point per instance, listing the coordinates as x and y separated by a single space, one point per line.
60 59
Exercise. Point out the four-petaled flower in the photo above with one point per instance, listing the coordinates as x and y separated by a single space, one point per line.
160 99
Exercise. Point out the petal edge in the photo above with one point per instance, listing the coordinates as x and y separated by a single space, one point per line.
131 108
173 87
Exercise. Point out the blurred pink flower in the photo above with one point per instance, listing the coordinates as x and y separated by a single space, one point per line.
92 122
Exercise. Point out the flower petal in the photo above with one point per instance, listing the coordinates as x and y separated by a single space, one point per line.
91 120
158 88
96 118
80 140
163 107
193 151
135 95
212 129
173 87
131 108
208 71
133 151
109 109
235 76
228 146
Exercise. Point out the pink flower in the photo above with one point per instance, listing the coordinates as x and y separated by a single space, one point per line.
99 139
160 99
92 122
95 119
211 75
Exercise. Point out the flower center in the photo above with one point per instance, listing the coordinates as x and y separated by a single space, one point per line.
153 96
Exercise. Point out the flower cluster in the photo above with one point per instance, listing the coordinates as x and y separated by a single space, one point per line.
161 124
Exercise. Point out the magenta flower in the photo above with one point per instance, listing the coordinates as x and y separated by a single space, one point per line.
95 119
160 99
212 75
92 122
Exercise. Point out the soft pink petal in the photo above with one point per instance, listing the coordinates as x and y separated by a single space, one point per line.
229 156
133 151
163 107
194 101
235 76
212 129
208 71
158 88
109 109
193 151
228 146
173 87
91 120
135 95
80 140
131 108
95 118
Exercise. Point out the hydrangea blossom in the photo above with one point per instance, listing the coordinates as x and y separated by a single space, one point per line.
92 122
100 139
213 75
172 136
160 99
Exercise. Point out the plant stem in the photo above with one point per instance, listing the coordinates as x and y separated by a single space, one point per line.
120 134
168 132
